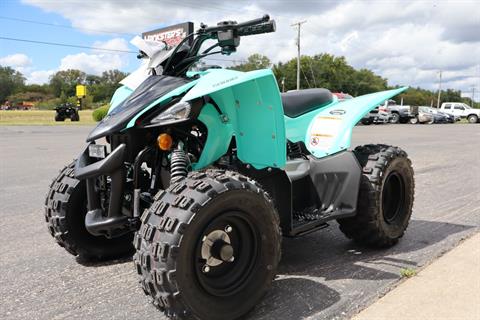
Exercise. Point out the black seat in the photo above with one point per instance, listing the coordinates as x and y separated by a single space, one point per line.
296 103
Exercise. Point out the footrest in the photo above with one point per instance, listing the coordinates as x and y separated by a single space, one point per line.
110 227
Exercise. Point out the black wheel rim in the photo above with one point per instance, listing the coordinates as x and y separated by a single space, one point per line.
393 197
229 278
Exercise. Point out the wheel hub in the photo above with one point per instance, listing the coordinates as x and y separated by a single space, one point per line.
393 197
216 248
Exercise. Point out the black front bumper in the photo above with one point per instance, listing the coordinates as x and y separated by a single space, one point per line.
97 222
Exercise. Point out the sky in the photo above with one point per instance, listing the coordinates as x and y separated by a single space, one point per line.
407 42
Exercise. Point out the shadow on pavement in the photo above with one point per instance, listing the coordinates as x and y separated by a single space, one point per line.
303 296
309 263
104 263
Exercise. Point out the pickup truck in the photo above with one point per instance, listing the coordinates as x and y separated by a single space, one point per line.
378 115
398 113
461 110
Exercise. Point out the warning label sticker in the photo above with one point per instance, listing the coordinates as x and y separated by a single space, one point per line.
323 132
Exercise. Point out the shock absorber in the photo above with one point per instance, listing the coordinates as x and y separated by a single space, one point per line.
179 163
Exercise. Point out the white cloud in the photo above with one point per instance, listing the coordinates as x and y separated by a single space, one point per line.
18 61
406 41
113 44
91 63
39 77
98 60
94 62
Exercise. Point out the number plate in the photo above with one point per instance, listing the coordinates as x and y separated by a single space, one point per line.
97 151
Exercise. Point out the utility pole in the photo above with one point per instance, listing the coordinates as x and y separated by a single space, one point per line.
473 96
283 84
298 25
439 89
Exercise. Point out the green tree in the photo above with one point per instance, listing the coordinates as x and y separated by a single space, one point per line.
42 88
332 72
328 71
31 96
65 81
417 97
365 81
91 80
113 77
11 82
254 62
101 88
450 95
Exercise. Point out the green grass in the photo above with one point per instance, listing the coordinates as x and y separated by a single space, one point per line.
40 118
408 272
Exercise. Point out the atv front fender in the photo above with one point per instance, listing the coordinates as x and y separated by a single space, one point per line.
252 112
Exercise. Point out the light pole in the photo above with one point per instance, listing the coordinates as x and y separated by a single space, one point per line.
473 96
439 89
298 25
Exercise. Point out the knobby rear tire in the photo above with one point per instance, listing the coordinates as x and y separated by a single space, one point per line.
384 206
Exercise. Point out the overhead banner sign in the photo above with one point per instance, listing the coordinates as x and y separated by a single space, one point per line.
172 35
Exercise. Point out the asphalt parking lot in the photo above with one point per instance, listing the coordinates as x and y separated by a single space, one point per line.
321 276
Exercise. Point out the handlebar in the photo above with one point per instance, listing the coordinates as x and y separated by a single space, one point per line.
253 22
227 33
257 29
255 26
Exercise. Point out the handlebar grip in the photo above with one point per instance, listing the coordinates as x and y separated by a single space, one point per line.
253 22
257 29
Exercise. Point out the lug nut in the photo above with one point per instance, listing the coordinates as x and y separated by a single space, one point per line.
231 259
228 229
206 269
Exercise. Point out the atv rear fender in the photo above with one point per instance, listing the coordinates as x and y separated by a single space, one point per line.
328 130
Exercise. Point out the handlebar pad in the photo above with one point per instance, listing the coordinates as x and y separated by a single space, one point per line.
257 29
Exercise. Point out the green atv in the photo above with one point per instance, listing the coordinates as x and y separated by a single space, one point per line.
205 171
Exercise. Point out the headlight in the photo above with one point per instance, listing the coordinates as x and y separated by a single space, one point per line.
176 113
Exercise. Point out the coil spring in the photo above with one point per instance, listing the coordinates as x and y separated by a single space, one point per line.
179 162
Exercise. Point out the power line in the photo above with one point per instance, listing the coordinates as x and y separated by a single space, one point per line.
96 48
306 79
223 8
61 25
313 74
64 45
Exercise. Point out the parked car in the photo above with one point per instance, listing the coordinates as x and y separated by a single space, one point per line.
450 117
421 115
377 116
373 116
461 110
438 117
399 113
442 117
